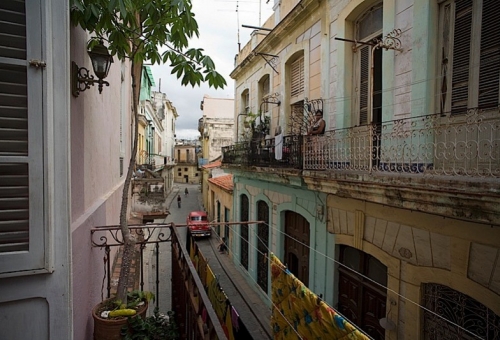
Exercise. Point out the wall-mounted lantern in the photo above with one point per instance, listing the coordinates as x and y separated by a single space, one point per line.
81 80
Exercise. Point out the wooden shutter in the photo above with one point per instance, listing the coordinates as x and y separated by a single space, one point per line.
297 77
461 56
22 233
489 69
364 78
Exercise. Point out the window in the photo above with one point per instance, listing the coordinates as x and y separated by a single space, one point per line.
368 102
297 79
196 174
450 314
264 90
295 76
245 101
179 169
469 55
22 230
185 169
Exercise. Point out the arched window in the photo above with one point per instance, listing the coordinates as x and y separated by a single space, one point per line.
296 93
368 106
264 90
244 214
450 314
263 245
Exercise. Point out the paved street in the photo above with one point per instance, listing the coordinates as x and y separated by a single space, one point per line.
178 216
242 295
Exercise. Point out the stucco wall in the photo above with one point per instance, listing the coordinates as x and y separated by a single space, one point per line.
280 199
420 248
96 184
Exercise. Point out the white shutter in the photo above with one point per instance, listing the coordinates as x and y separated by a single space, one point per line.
297 77
461 56
364 78
22 234
489 69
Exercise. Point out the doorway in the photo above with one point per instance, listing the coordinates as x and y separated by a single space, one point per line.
297 233
360 298
263 245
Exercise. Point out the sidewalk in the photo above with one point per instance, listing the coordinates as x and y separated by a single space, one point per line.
253 312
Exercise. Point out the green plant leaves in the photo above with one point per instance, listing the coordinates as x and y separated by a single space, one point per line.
139 29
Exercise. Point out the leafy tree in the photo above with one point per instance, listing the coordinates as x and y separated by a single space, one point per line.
157 31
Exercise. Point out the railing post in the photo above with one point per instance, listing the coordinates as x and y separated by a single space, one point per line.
157 251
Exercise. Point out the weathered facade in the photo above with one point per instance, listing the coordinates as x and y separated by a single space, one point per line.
186 168
220 204
216 127
61 173
398 199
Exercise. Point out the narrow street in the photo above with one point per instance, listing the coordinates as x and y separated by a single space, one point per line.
178 216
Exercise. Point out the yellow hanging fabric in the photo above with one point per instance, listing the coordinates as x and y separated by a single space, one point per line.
296 309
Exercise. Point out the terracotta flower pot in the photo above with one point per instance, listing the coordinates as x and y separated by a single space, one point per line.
109 329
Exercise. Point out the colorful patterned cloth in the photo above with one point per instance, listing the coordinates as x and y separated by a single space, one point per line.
298 313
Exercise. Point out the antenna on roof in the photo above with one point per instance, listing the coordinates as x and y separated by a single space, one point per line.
238 25
159 85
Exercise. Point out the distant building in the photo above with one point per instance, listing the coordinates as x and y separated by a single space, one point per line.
215 126
186 168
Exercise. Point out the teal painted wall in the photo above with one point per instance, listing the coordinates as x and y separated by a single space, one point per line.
281 198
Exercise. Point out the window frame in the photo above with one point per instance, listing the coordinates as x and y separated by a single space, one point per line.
473 78
37 258
357 70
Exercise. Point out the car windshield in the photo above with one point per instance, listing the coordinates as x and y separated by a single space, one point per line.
198 218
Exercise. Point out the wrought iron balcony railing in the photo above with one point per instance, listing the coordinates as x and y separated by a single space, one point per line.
449 145
272 152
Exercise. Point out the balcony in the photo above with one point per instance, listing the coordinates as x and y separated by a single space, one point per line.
443 164
433 145
266 153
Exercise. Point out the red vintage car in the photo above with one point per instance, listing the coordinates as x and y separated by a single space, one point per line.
197 222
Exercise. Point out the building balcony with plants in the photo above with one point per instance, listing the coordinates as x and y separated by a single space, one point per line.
423 158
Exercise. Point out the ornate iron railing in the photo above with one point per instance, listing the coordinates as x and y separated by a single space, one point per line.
453 145
449 145
188 292
283 152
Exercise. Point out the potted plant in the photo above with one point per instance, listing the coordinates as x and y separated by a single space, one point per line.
140 30
111 315
157 326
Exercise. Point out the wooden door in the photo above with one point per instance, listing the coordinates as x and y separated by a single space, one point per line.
297 245
263 245
244 213
361 300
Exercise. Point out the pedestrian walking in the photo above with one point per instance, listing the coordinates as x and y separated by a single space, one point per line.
179 200
186 192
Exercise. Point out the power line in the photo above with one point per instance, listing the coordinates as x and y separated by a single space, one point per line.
358 273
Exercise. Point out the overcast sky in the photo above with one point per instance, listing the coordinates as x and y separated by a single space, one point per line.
218 26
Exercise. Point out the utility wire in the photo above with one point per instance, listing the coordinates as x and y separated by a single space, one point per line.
358 273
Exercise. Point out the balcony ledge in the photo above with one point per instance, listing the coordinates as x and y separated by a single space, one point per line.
472 199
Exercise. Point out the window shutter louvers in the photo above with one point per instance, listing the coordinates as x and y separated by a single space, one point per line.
489 69
23 237
14 176
297 77
364 77
461 56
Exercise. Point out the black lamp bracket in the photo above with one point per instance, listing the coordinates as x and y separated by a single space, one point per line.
81 80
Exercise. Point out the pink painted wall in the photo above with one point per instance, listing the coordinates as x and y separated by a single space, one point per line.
96 184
